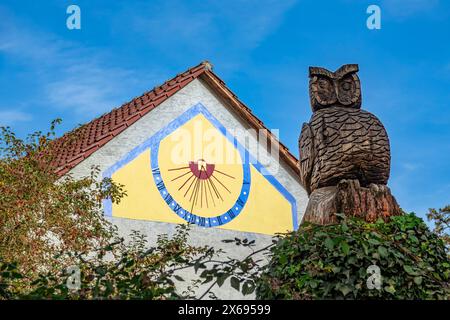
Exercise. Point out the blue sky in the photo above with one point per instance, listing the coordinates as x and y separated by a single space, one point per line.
260 48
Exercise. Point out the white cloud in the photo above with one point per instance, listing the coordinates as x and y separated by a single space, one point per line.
71 77
87 88
10 117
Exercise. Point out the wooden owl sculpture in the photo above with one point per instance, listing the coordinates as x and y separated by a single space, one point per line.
341 141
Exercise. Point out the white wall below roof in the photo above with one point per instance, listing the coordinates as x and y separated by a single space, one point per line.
197 91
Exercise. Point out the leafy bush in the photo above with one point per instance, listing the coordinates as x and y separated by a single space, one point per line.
40 214
8 276
441 221
331 262
120 270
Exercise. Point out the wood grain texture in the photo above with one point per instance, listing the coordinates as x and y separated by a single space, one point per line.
350 198
343 143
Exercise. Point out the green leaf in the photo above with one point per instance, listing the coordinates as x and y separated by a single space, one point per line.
345 290
248 287
178 278
382 251
235 283
208 279
205 273
389 289
344 227
329 243
221 278
345 247
101 271
336 269
313 284
199 265
418 280
410 270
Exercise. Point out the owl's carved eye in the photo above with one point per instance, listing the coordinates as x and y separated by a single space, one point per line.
347 93
346 86
323 84
324 91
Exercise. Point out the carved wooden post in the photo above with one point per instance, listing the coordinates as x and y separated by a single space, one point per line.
344 152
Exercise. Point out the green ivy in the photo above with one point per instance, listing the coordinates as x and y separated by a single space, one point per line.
330 262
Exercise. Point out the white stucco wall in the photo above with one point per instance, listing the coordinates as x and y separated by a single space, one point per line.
196 92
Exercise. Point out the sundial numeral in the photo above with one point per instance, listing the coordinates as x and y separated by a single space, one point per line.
168 199
192 218
240 202
156 171
202 222
231 213
219 220
177 208
160 185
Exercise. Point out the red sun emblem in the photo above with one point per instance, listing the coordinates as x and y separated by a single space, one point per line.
202 183
201 169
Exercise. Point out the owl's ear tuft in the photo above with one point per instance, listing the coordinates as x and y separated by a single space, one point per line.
346 68
314 71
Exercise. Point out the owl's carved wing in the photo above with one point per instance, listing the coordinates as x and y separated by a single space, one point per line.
307 155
